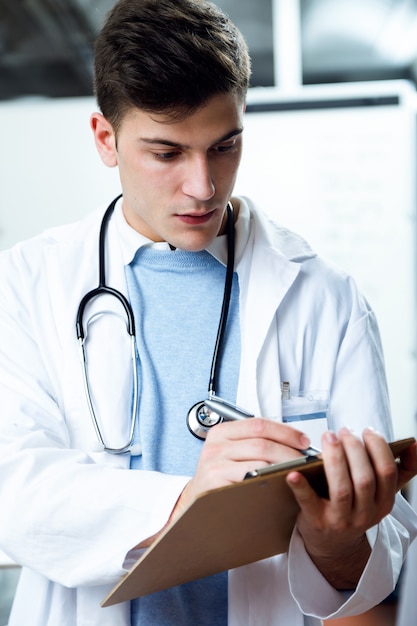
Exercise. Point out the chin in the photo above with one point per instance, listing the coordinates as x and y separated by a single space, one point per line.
194 244
192 248
194 241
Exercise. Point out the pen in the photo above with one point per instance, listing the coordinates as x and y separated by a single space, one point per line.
227 410
310 454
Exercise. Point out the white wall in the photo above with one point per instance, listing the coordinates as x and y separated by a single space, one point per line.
50 170
344 178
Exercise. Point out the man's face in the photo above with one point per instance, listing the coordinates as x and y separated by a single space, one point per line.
176 177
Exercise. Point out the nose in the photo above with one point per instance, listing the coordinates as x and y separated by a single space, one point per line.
198 182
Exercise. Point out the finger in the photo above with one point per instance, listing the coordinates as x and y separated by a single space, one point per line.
337 473
252 453
406 466
260 428
363 478
232 449
307 499
386 470
261 450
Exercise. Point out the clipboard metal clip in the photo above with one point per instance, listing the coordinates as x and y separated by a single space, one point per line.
309 454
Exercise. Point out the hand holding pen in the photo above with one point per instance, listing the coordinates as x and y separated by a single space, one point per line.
230 412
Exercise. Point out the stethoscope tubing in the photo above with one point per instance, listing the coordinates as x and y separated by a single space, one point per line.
196 427
230 231
103 289
103 446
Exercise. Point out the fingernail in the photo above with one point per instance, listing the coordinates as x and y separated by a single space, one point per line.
346 431
371 429
304 442
330 437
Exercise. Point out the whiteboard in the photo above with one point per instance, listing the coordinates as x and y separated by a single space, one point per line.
337 164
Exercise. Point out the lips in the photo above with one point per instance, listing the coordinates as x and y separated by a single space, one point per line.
196 219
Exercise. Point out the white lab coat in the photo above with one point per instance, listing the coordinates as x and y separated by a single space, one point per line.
70 515
407 604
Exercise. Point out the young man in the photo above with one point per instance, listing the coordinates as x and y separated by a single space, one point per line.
171 81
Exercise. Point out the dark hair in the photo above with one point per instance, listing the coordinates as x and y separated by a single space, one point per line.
167 56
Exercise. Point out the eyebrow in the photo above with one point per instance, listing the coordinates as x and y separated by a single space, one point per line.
173 144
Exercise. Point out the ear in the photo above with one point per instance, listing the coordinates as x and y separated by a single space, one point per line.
104 138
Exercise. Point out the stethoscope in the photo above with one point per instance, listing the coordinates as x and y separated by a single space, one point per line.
203 415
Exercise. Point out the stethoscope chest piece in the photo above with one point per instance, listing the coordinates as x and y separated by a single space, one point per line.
201 419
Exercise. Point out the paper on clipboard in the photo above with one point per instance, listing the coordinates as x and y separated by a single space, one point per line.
222 529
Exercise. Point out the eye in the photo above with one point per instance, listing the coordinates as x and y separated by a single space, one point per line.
166 156
223 148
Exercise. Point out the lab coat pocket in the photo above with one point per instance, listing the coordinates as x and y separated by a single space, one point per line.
309 412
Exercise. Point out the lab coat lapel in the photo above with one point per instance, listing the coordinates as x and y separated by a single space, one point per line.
266 272
270 278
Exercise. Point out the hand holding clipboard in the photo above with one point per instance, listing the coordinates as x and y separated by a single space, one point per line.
262 507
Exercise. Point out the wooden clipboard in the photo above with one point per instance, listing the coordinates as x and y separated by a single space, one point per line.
225 528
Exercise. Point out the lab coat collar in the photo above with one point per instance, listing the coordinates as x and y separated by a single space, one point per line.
130 239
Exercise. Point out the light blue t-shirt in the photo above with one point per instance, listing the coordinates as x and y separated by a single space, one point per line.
177 298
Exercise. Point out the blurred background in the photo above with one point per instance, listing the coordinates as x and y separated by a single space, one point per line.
329 148
46 45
